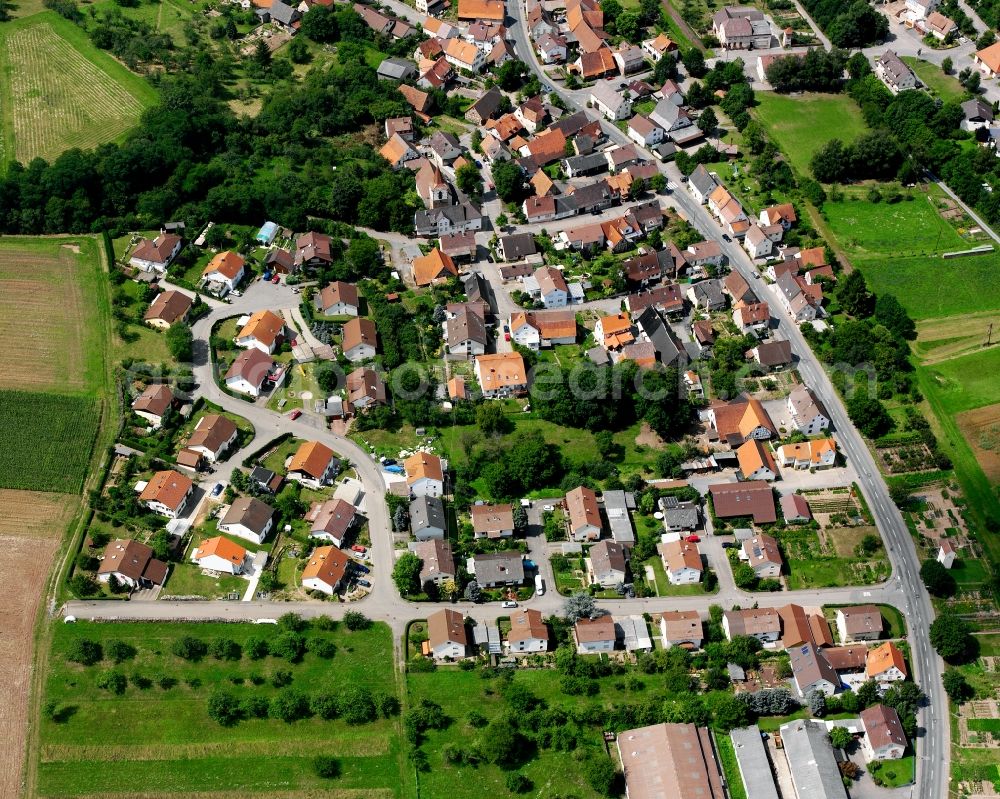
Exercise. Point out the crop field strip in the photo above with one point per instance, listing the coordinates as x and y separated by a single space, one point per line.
56 98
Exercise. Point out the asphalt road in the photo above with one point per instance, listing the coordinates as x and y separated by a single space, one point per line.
910 595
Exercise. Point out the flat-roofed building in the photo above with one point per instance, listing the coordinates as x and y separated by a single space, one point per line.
669 761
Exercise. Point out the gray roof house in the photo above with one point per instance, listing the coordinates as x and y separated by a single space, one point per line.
398 69
427 519
670 117
811 760
654 330
701 183
617 505
498 568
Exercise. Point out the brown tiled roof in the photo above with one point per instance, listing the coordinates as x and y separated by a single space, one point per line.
526 624
157 250
228 264
358 331
328 564
753 621
339 292
422 465
762 549
797 627
334 516
365 383
682 624
680 555
446 626
437 558
252 365
581 505
861 619
155 399
250 512
593 630
882 726
311 458
607 556
133 560
169 488
211 432
491 519
492 10
169 306
752 498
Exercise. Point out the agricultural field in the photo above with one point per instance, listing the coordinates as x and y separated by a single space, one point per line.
165 16
948 337
31 527
156 736
58 91
51 306
47 440
802 124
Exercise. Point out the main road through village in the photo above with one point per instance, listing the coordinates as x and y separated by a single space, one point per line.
903 590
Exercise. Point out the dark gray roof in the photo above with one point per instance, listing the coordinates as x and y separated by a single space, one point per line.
283 13
427 512
499 567
590 196
651 324
473 286
250 512
394 68
774 353
977 109
487 105
518 245
594 162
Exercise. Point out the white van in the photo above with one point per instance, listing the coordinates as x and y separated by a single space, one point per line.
539 585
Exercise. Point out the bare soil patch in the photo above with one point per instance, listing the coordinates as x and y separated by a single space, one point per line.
981 428
648 437
31 527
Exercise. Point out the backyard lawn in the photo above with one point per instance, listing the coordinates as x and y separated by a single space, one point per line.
944 86
803 123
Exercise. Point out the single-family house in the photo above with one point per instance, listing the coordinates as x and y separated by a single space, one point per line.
886 664
681 628
496 569
762 554
465 333
365 389
212 436
859 623
131 563
433 267
224 272
595 635
528 632
755 461
772 355
153 403
219 554
613 104
946 554
338 299
807 412
464 55
424 474
438 562
397 151
552 289
325 570
397 69
249 518
502 374
939 26
681 561
884 738
608 563
157 254
739 420
583 515
679 517
313 464
331 520
167 493
701 184
764 624
659 47
896 75
977 114
492 521
919 9
551 48
614 332
248 372
752 317
516 246
167 308
427 518
795 509
644 132
812 672
360 339
264 330
756 243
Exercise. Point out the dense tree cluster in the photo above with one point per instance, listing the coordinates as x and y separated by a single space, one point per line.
818 71
850 24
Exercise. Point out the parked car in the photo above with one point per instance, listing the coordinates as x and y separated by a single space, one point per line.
729 545
362 569
506 336
295 414
276 279
693 539
364 584
217 489
508 604
547 507
358 548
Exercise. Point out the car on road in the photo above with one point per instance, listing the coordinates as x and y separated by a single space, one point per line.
506 336
506 328
276 279
539 585
726 237
693 539
508 604
295 414
217 489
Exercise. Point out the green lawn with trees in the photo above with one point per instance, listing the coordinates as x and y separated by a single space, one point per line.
182 706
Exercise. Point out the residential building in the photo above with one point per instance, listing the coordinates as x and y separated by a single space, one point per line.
886 664
756 461
166 493
947 554
762 553
808 414
360 339
487 10
884 737
313 464
817 453
894 73
492 521
248 372
313 250
224 272
495 569
752 317
325 570
608 563
800 626
438 562
465 333
595 635
614 332
616 507
679 517
397 151
740 420
551 48
706 253
212 436
501 374
424 474
447 636
939 26
219 554
264 330
756 243
331 520
813 767
397 69
681 561
772 355
681 628
249 518
701 184
795 509
659 47
812 672
338 299
157 254
153 403
644 132
543 329
365 389
860 623
517 247
431 268
783 214
167 308
764 624
919 9
528 632
977 113
750 499
552 288
613 104
427 518
486 107
583 515
670 761
131 563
